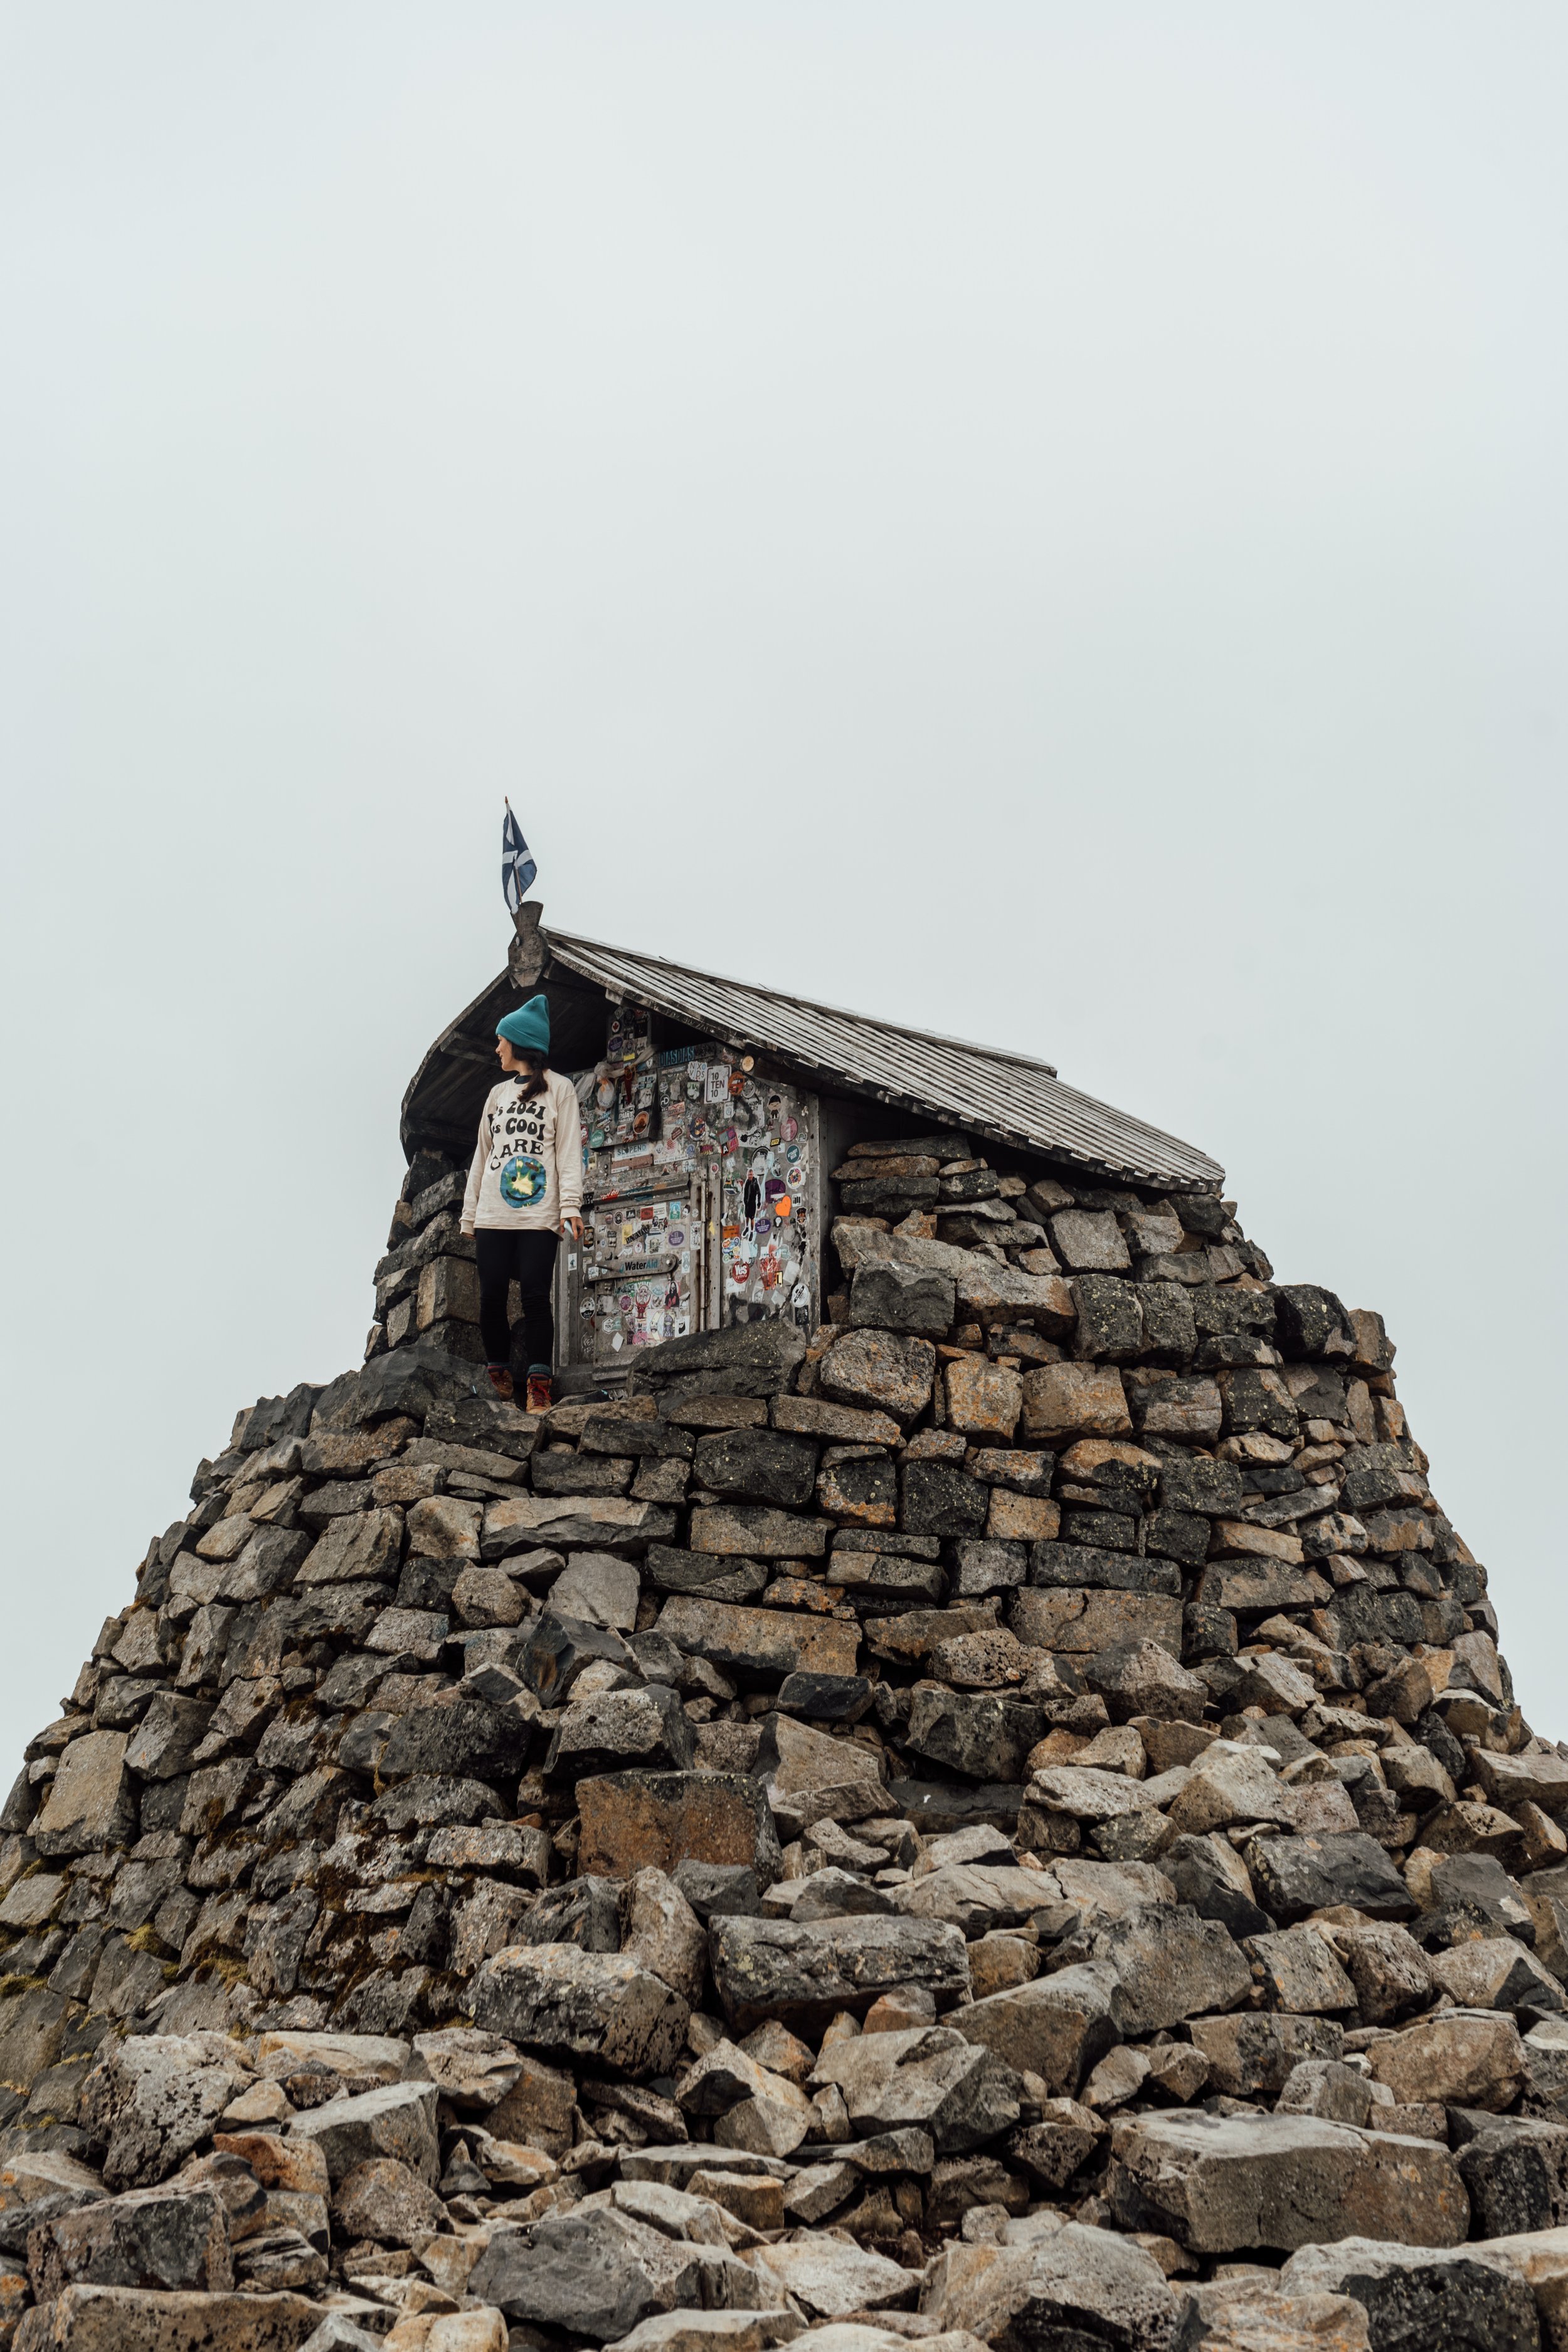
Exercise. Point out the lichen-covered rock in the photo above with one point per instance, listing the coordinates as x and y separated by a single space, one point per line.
804 1975
150 2100
564 2002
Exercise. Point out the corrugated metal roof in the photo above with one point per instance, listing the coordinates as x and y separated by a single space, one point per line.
987 1090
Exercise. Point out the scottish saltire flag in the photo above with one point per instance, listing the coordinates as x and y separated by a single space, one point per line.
517 868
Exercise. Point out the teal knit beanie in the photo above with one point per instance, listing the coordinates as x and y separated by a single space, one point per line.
527 1028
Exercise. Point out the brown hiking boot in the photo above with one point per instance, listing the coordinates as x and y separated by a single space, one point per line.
540 1399
500 1381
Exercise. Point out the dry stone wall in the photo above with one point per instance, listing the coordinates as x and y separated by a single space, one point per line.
1003 1820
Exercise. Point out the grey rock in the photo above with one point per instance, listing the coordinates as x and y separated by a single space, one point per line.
1414 2298
958 2091
746 1359
1171 1964
1209 1489
982 1566
1141 1677
1323 2086
763 1465
826 1698
938 1498
1253 2054
1080 2287
597 2273
395 2120
150 2100
1296 1875
597 1589
985 1734
168 1737
382 2198
581 1911
474 2071
175 2237
890 1297
557 1649
430 1800
1058 2027
802 1975
1208 1873
1222 2184
719 1889
831 2278
338 2333
564 2002
1061 1567
91 1800
621 1728
660 1931
456 1736
1515 2168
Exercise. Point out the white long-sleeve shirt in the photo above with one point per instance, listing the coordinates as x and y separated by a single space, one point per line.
527 1172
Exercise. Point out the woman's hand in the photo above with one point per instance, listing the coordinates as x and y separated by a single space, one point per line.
572 1228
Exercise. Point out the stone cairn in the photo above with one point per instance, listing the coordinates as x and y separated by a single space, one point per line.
1001 1821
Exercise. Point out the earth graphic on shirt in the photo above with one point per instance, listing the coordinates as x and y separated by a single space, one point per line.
523 1181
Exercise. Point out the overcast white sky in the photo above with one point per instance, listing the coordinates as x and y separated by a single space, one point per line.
1042 519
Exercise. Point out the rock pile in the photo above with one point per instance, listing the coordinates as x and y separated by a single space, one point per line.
1001 1819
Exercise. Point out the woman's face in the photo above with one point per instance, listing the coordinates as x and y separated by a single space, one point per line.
511 1059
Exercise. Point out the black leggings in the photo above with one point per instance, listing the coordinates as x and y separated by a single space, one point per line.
528 1259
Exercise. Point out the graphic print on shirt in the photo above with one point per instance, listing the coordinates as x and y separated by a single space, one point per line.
517 1151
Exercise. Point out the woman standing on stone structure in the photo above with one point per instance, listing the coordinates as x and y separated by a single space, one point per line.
525 1189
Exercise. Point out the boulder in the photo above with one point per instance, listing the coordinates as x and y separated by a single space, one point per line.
984 1735
170 2237
564 2002
645 1726
1252 2055
474 2071
1301 1973
714 2331
660 1931
928 2076
1296 1875
1251 2315
882 1372
758 1640
803 1974
596 2273
150 2100
890 1297
1465 2060
1142 1678
384 2199
829 2278
1515 2170
1219 2184
395 2120
139 2319
1079 2287
1084 1622
91 1800
459 1737
743 1359
811 1777
1414 2297
596 1588
1058 2027
1170 1964
637 1821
